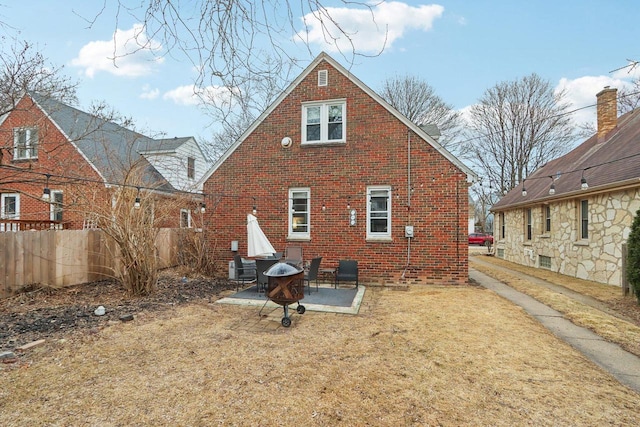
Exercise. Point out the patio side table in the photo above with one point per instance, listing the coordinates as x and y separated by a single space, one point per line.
328 272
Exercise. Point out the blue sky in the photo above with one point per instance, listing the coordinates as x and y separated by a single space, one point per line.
461 48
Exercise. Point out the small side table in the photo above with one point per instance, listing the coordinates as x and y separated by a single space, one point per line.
328 271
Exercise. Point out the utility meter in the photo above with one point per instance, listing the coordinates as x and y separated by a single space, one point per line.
408 231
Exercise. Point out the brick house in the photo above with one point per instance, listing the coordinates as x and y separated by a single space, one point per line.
333 168
55 160
576 213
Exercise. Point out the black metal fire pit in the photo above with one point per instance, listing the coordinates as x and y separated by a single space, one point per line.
285 286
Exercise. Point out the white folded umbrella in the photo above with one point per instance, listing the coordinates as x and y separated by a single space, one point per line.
257 243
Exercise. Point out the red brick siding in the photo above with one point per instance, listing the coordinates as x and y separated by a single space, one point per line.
59 158
56 156
375 154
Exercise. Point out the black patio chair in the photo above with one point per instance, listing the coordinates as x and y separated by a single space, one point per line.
347 272
293 256
263 265
245 273
312 274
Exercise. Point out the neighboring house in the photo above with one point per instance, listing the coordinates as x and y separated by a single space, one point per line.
180 161
472 216
333 168
577 210
50 147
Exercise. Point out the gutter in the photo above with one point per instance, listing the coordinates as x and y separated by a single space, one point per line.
621 185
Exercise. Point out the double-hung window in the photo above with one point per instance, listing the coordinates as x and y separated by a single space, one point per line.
502 225
379 212
547 218
191 167
56 205
25 143
324 122
528 223
584 219
299 221
185 218
10 209
10 206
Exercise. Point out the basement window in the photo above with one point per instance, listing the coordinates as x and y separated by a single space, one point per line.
544 262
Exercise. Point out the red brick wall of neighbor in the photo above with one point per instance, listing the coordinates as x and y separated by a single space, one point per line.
56 156
375 154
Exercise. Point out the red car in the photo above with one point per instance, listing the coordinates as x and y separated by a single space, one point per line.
480 239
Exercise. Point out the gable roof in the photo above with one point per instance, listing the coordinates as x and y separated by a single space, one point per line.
471 176
109 148
605 163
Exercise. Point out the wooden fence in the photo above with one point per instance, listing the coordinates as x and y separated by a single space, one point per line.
59 258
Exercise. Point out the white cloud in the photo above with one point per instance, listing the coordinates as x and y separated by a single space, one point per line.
370 30
190 95
148 93
631 71
134 53
581 92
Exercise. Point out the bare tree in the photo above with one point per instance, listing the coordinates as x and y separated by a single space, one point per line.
418 101
515 128
229 41
629 97
242 49
25 69
235 109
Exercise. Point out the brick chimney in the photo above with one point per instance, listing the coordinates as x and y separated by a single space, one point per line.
607 110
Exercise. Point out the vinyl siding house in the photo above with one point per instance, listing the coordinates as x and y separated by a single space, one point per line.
53 148
334 169
576 213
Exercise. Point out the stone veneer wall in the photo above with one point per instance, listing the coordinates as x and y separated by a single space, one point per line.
598 258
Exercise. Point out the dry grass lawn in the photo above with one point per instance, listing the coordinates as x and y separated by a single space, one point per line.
623 331
449 356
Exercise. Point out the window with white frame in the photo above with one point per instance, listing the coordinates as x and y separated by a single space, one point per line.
56 205
324 122
528 221
191 167
502 226
547 218
10 206
379 212
584 219
185 218
299 209
25 143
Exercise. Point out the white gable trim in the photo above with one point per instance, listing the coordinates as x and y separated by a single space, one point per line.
102 177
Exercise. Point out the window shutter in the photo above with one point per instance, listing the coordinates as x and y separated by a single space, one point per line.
323 77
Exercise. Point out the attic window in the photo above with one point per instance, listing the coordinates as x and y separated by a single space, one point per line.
25 143
323 77
324 122
191 168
